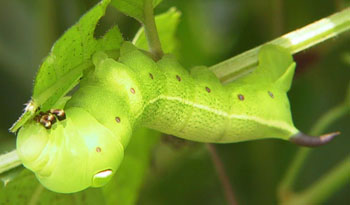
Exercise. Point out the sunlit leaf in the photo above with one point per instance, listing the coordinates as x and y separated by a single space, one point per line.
133 8
27 190
69 56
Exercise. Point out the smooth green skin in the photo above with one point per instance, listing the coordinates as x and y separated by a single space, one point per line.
64 158
159 95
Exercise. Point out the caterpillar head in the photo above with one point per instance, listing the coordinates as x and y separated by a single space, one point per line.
73 154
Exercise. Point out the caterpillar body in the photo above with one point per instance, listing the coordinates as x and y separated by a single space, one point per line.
86 148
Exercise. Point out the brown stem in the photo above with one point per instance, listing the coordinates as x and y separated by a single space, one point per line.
220 170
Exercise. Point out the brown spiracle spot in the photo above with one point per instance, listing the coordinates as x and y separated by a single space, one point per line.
270 94
240 97
117 119
132 90
98 149
207 89
178 78
151 76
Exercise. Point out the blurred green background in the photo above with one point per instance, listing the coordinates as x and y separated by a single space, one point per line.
209 32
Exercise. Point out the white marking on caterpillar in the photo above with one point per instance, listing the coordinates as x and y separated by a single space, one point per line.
270 123
104 174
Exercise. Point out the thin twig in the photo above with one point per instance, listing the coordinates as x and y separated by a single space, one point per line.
225 182
151 30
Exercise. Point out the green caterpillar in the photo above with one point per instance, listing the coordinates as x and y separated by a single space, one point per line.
85 147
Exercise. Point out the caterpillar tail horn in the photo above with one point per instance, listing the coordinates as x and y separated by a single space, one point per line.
311 141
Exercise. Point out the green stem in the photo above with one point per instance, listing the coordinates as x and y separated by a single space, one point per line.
8 161
324 187
151 30
285 188
295 41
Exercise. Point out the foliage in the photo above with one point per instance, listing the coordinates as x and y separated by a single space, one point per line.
69 56
209 32
133 8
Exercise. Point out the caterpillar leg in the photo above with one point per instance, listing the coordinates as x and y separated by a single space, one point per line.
311 141
59 113
47 120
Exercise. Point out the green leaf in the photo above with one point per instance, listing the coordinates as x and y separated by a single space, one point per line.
69 56
133 8
166 25
27 190
124 187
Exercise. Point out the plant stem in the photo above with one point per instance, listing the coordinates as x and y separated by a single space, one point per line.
285 187
294 41
151 30
222 175
324 187
8 161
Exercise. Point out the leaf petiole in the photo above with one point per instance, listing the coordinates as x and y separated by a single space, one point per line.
151 30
